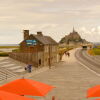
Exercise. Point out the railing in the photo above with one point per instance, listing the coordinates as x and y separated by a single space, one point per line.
3 75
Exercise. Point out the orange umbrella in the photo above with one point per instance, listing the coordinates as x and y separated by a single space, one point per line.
9 96
27 87
97 99
94 91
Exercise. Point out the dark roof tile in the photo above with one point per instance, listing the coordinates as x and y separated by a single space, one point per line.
45 39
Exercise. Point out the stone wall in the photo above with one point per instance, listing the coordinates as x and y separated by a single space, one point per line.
38 59
28 58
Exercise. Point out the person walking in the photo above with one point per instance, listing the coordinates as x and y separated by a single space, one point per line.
29 67
68 54
65 53
25 68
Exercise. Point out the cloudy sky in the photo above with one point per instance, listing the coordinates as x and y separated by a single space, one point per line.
53 17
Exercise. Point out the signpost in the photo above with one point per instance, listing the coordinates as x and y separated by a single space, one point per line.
31 42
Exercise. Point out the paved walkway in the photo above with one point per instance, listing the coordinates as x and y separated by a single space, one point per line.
90 61
4 72
70 79
12 65
11 69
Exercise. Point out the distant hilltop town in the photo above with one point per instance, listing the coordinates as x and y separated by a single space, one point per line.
73 39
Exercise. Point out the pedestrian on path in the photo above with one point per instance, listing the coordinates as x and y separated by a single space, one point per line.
68 54
29 68
25 68
65 53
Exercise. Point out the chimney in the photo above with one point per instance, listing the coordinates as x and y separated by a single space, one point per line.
26 34
39 33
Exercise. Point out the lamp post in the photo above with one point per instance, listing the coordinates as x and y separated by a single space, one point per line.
49 57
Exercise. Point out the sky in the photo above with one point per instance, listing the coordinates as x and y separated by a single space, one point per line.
55 18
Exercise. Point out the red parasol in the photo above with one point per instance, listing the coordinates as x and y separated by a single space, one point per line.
10 96
27 87
94 91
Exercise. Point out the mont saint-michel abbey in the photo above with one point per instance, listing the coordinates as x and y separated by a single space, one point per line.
72 39
37 49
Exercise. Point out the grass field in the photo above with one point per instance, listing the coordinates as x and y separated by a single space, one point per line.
4 54
94 51
9 47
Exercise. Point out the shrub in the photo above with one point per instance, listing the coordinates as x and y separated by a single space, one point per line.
96 51
91 52
61 51
3 54
16 50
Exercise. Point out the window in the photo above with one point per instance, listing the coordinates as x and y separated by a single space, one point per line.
39 62
46 49
54 48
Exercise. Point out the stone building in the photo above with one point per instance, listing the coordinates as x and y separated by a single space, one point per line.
41 49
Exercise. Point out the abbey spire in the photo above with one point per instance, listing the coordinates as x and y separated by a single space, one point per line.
73 30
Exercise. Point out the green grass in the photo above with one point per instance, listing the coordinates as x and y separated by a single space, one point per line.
98 46
16 50
96 51
4 54
63 50
9 46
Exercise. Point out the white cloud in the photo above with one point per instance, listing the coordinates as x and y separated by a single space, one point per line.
54 17
91 35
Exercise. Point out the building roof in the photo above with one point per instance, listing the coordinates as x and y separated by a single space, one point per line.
45 39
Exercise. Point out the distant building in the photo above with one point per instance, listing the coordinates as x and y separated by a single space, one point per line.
42 50
96 45
72 39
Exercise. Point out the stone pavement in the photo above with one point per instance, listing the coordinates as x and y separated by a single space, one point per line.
70 79
4 72
11 69
12 65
